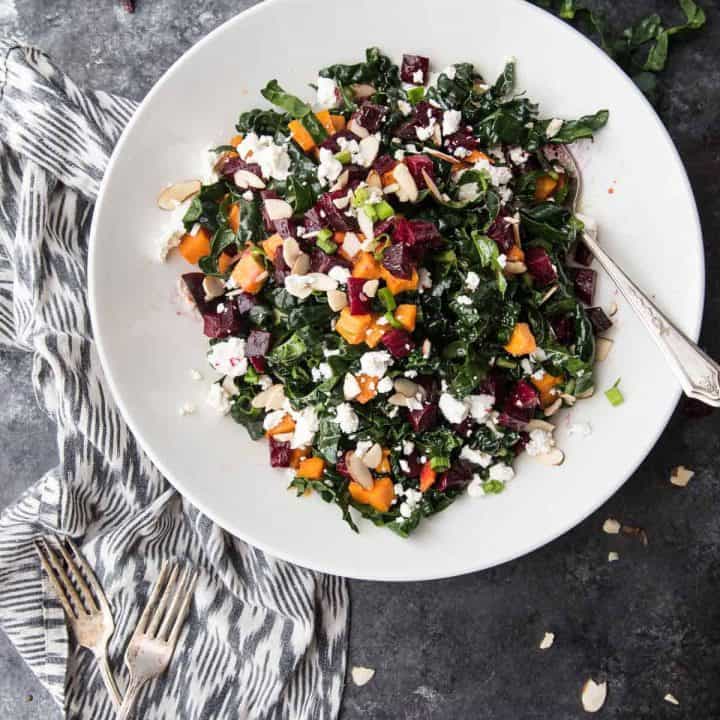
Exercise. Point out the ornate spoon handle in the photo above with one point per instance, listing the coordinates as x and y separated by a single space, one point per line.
698 374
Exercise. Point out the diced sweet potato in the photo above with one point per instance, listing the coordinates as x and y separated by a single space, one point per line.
368 388
194 247
406 315
271 244
311 468
301 136
397 285
249 274
286 425
380 496
522 341
545 386
545 186
353 327
366 267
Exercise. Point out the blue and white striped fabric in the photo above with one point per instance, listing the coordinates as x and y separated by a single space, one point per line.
265 639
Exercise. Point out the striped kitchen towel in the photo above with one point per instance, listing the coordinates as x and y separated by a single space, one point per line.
265 639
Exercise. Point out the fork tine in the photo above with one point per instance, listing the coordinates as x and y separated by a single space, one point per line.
90 602
157 588
57 587
175 634
98 593
170 588
63 577
175 605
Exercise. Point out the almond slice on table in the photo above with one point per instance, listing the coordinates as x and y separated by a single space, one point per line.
611 526
681 476
593 695
362 675
547 642
174 195
603 346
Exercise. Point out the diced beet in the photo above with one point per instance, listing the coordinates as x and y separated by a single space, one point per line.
564 328
259 363
331 142
502 232
463 429
267 222
524 395
601 322
384 226
384 163
430 386
233 163
258 343
414 464
425 418
282 269
408 129
540 266
245 302
463 138
280 453
285 227
420 235
399 260
321 262
194 284
456 478
398 342
584 281
359 302
582 255
333 217
356 175
411 64
416 164
494 384
523 440
225 323
513 417
425 112
341 465
370 116
312 220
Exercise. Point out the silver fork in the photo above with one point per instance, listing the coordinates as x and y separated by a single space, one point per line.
153 642
698 373
84 602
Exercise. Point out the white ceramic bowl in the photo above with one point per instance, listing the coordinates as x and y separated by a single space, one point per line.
635 185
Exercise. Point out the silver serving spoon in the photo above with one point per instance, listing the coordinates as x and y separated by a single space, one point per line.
699 375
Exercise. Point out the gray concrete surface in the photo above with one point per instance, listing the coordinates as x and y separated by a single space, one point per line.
467 647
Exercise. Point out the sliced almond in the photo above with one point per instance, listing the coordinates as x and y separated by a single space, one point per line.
535 424
362 675
342 181
366 224
278 209
362 91
603 346
373 180
407 188
681 476
273 398
555 457
323 283
437 135
612 310
213 287
391 188
373 457
359 471
370 288
515 267
442 156
550 410
337 300
611 526
670 698
246 179
301 264
351 387
548 294
291 251
342 202
174 195
357 129
516 233
369 148
613 556
547 641
406 387
431 186
593 695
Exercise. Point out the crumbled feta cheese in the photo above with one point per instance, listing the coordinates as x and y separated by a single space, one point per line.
195 374
326 92
584 429
472 280
273 159
330 168
418 77
425 133
526 366
404 107
464 300
451 122
541 442
385 385
499 174
404 466
306 425
475 488
426 348
502 260
410 374
187 409
322 372
228 357
424 278
218 399
449 71
553 128
454 410
399 155
339 274
461 152
468 192
476 457
351 387
408 447
273 418
265 381
248 195
518 156
346 418
501 472
375 363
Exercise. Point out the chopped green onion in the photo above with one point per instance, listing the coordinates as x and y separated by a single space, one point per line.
360 196
384 210
325 242
440 463
344 157
251 377
493 487
505 363
416 94
394 322
614 395
370 211
387 298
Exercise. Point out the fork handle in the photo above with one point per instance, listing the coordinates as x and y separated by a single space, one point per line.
108 679
130 699
699 374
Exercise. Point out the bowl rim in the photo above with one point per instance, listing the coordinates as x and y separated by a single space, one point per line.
400 576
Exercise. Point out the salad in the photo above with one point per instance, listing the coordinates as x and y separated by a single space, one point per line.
391 285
